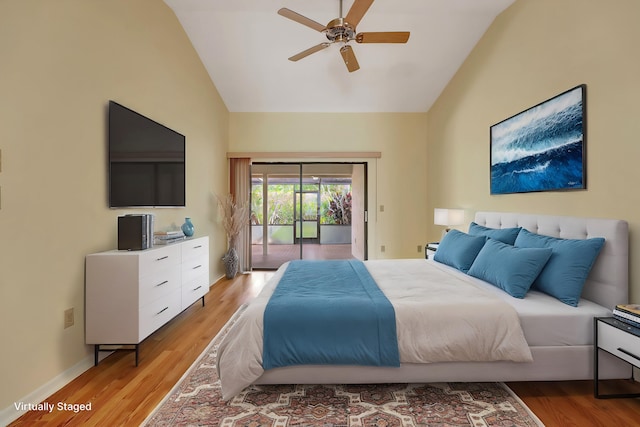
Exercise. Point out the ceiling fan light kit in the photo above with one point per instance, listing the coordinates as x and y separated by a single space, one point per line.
343 30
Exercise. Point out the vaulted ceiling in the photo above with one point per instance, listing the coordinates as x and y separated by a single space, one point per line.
245 45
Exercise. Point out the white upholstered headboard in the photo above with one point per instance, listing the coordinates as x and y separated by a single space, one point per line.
608 282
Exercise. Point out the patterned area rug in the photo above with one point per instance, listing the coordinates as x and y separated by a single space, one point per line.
196 401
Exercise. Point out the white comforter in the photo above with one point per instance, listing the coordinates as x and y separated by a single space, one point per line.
441 316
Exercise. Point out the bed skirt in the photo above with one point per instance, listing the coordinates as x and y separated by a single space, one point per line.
550 364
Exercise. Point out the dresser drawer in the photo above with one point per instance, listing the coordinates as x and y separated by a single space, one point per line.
195 267
194 290
159 284
159 312
155 259
195 248
621 344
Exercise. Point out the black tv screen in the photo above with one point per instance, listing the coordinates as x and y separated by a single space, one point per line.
146 161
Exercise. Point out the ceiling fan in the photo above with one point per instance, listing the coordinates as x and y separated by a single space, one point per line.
343 30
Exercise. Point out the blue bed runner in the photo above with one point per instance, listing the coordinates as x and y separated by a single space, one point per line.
329 312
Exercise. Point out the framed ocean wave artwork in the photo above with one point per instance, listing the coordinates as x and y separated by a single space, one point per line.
541 148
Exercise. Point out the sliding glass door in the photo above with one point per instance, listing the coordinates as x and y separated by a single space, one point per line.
307 211
273 224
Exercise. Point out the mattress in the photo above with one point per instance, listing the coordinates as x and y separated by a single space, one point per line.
545 320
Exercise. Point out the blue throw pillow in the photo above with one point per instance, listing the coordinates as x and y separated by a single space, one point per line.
505 235
458 249
509 268
571 260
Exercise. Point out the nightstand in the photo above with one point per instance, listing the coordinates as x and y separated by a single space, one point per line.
619 339
430 249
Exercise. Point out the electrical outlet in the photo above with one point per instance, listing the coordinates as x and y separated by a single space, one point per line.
419 248
68 318
381 208
382 248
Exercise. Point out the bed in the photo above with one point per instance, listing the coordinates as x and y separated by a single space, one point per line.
558 337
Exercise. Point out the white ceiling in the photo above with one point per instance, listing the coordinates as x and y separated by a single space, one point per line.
244 45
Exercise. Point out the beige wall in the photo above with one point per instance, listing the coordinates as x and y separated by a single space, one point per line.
533 51
396 180
60 63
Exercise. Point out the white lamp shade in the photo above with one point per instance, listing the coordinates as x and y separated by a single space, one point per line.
448 217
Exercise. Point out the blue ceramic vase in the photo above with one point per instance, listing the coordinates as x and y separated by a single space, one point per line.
187 227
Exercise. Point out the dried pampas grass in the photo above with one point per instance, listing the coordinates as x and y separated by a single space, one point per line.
234 217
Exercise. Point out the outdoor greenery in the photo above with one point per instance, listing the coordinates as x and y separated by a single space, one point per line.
339 209
335 203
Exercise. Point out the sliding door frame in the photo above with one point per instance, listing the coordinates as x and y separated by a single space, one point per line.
301 164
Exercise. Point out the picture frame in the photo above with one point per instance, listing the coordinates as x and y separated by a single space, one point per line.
541 148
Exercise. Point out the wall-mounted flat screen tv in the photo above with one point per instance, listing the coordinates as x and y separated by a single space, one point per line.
146 161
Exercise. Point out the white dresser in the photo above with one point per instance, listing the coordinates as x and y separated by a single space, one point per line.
130 294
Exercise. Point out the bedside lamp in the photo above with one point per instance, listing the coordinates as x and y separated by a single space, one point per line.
448 218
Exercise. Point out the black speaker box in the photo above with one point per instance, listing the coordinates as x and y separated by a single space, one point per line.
135 232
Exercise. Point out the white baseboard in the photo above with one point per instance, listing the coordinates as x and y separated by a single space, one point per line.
12 413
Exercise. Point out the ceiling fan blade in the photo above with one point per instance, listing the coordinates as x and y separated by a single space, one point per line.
383 37
287 13
309 51
349 58
357 11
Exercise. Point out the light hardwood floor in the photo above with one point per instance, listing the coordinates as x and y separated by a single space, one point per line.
123 395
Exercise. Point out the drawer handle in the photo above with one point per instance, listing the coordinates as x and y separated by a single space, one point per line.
164 257
197 288
160 284
628 353
197 266
197 247
164 309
